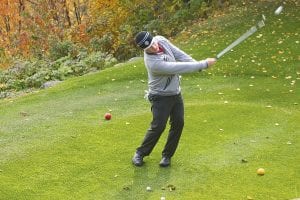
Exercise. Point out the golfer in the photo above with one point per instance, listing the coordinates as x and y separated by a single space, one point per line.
164 63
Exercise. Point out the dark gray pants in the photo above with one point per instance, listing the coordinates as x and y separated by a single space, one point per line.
162 108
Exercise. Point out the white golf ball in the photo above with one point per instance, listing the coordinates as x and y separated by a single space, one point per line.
148 188
278 10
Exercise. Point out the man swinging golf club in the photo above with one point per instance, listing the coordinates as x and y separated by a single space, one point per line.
164 63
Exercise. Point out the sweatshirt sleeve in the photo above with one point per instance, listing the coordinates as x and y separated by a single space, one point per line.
179 54
169 68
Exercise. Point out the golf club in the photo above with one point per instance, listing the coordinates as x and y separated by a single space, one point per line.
250 32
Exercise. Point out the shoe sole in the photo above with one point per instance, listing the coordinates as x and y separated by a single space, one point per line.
164 165
137 164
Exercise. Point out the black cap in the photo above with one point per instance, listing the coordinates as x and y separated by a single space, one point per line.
143 39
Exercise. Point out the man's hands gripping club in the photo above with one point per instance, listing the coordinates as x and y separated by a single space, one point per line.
210 61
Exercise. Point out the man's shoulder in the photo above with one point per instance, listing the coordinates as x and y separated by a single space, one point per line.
153 57
160 38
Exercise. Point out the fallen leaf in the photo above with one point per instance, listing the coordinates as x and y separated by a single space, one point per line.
24 114
126 188
259 36
171 187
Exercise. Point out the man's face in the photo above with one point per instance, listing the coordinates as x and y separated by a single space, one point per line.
154 48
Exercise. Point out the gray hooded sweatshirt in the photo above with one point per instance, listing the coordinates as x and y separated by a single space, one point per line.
164 68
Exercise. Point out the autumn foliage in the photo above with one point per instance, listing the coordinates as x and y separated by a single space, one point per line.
27 27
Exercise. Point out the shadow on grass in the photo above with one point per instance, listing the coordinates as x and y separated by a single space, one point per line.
147 176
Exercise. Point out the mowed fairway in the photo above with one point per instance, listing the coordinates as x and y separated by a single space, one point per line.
241 115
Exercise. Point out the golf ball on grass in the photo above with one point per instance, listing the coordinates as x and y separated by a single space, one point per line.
148 188
260 171
278 10
107 116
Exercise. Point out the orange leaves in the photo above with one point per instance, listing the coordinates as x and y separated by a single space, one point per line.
107 16
7 7
78 34
24 44
9 15
26 27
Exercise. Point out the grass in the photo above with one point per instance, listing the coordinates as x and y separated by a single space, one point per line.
55 144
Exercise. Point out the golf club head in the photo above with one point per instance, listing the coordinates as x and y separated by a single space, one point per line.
261 24
278 10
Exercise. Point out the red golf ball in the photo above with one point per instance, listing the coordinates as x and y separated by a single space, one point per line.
107 116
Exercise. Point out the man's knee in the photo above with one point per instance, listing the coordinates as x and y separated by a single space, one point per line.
158 127
178 123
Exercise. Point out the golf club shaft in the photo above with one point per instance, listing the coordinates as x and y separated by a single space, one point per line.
252 30
238 41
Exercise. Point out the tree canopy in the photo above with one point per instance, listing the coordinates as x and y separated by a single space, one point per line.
31 28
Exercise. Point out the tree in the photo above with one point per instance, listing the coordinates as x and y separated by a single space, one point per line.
28 26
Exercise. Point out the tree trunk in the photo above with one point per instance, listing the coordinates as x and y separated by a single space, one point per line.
67 13
6 20
21 10
77 13
53 10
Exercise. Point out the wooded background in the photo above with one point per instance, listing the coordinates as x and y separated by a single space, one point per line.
50 40
43 28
